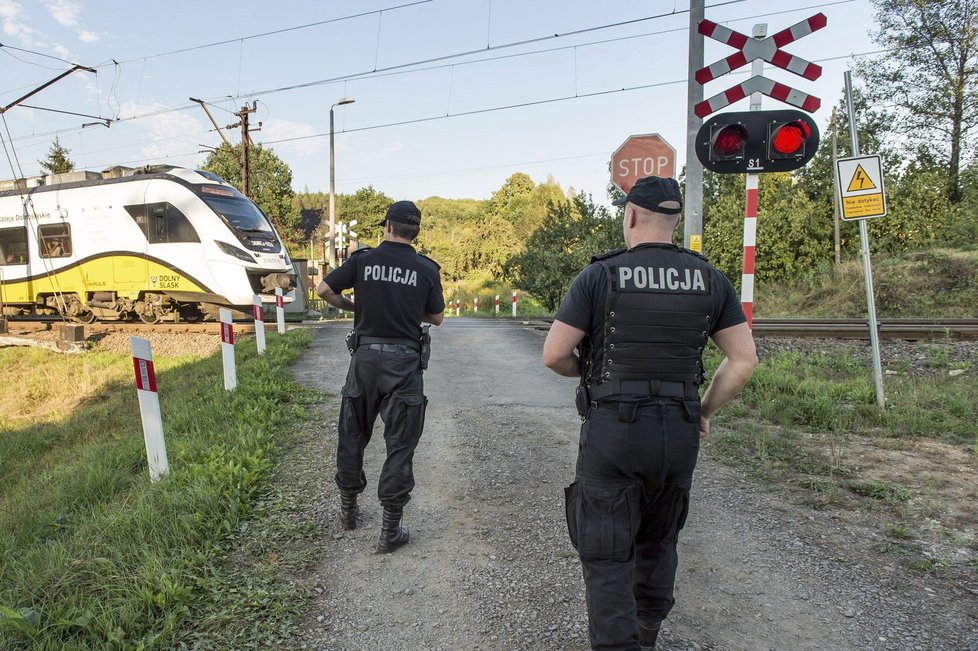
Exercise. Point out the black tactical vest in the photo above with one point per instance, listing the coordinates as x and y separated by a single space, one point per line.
656 316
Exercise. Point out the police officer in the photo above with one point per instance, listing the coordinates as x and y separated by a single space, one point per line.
640 318
396 289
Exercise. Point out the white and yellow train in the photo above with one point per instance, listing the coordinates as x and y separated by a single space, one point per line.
155 243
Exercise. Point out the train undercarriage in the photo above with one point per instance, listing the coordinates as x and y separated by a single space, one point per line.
150 308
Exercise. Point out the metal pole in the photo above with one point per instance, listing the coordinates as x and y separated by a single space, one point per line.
835 181
693 224
867 264
332 193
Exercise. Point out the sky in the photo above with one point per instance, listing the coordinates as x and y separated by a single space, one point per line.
452 97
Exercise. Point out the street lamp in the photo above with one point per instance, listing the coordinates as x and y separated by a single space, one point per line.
332 183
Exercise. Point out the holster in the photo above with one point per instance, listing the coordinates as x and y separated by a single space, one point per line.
425 346
352 341
582 401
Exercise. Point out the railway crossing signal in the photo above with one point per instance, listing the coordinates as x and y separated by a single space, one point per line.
757 141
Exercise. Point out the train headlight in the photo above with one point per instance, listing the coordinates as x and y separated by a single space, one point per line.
240 254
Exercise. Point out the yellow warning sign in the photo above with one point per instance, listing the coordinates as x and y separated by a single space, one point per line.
860 181
866 205
696 242
860 188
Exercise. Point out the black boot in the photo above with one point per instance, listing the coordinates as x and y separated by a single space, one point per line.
647 636
349 510
392 535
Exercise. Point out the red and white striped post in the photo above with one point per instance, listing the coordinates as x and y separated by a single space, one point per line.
280 310
259 314
750 204
750 243
475 304
458 306
497 303
514 302
149 408
227 350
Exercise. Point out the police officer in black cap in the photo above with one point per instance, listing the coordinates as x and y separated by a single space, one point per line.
640 318
396 289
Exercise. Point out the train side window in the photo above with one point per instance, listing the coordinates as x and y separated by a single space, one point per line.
54 240
162 223
13 246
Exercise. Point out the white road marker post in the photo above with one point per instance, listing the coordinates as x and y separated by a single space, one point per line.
458 306
259 311
280 310
149 408
475 304
514 302
227 350
497 303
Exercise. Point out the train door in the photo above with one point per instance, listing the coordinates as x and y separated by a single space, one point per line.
130 266
14 258
174 249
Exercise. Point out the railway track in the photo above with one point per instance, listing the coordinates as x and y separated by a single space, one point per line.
211 327
897 329
905 329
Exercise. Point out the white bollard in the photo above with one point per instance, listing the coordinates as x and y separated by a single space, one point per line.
497 303
259 324
514 302
475 304
149 408
227 350
280 310
458 306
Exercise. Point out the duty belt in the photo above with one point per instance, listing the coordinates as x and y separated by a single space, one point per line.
645 388
413 344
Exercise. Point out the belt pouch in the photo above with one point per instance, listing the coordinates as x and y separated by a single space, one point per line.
581 400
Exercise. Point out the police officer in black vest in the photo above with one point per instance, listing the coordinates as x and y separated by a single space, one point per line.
640 319
396 289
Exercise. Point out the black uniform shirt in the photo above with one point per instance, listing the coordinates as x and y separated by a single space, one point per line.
583 306
394 287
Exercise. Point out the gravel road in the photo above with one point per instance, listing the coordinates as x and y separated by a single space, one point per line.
490 566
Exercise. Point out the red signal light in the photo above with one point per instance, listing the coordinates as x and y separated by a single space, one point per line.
728 142
787 140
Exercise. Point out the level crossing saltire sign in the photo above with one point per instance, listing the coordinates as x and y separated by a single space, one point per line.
861 191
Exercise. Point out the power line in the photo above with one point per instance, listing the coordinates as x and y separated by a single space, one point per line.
271 33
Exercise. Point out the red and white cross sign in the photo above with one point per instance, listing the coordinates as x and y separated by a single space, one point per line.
766 49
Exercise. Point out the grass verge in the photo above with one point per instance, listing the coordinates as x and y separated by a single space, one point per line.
94 556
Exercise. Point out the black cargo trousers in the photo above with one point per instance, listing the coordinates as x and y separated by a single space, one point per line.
385 380
625 509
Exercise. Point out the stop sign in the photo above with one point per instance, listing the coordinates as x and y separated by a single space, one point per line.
641 156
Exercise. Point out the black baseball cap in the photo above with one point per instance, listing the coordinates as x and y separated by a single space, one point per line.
404 212
651 192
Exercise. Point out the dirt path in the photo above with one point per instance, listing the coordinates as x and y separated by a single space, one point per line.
490 566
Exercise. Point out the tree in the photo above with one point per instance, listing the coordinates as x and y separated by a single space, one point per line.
367 206
271 183
57 161
558 250
930 73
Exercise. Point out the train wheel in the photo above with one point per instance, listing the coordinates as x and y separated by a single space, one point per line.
151 319
84 317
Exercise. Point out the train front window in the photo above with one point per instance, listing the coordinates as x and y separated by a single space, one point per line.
54 240
13 246
241 214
